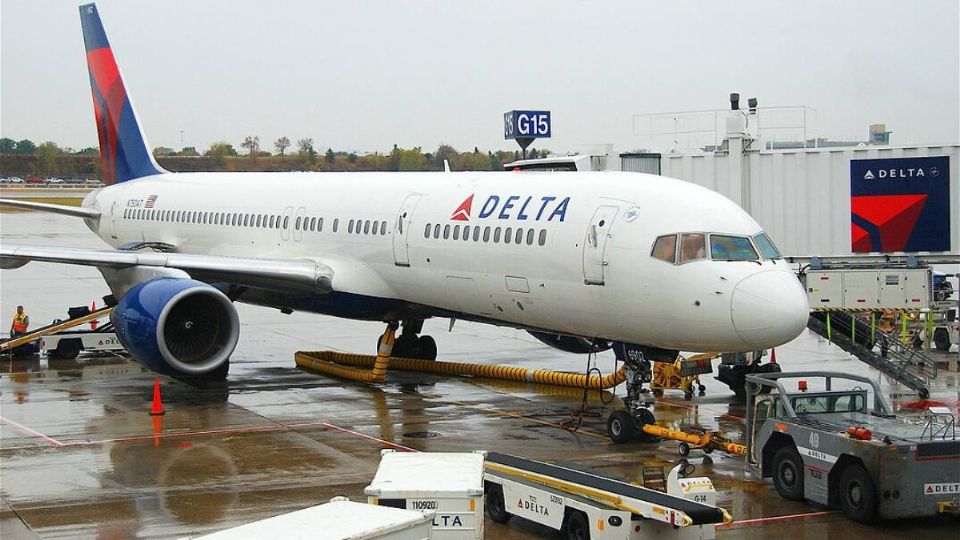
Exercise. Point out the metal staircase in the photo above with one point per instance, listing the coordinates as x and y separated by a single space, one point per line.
910 367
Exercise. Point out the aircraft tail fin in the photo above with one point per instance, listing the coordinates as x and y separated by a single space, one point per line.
124 152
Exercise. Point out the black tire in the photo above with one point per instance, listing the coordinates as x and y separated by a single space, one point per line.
941 339
788 473
496 508
621 427
405 346
68 349
426 348
858 496
575 527
683 449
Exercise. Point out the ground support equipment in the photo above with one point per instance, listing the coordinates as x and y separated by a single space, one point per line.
30 337
684 375
587 505
366 368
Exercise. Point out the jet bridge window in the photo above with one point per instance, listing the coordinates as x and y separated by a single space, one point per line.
692 247
731 248
665 248
767 249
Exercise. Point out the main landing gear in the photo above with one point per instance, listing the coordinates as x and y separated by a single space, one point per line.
627 425
410 344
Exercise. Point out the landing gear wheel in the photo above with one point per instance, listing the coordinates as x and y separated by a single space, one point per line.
858 497
426 348
941 339
702 390
68 349
688 395
495 505
576 527
405 346
788 473
657 393
621 427
684 449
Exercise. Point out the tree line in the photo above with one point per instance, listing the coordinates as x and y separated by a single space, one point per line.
48 159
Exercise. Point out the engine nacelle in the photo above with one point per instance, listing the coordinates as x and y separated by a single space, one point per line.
177 326
571 344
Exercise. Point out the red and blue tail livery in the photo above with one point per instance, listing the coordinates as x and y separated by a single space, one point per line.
124 152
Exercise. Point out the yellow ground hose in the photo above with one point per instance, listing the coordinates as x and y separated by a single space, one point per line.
709 440
366 368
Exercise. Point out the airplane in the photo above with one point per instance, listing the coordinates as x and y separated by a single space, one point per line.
578 259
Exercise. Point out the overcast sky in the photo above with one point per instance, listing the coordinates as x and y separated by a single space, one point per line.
367 75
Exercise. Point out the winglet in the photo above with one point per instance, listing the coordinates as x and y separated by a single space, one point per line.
124 152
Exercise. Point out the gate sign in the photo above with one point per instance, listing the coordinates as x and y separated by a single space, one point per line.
900 204
526 124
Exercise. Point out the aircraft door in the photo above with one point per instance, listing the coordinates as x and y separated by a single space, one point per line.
401 230
286 223
114 209
762 409
595 244
298 224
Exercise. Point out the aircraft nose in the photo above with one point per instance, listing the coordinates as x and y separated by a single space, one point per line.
769 309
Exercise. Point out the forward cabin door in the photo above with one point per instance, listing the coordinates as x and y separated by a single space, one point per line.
595 244
401 230
114 210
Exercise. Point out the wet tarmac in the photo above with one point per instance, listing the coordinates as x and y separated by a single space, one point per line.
81 458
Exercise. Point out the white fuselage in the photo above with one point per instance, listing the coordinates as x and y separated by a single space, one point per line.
592 276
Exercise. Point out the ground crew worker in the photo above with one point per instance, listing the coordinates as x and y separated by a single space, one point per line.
21 321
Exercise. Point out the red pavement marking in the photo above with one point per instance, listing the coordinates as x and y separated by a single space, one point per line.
368 437
35 433
774 519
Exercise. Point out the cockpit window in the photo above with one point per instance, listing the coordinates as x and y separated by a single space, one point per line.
665 248
692 247
731 248
767 249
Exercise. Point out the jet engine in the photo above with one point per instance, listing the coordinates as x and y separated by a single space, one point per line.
178 326
571 344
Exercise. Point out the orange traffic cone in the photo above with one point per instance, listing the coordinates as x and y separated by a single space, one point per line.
157 408
773 355
94 322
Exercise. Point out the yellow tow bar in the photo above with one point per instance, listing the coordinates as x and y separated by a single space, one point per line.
708 441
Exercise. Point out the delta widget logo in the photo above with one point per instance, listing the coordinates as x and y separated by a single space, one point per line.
516 207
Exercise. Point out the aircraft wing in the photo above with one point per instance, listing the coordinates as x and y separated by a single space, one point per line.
74 211
282 274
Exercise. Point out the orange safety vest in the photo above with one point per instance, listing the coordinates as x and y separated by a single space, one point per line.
20 322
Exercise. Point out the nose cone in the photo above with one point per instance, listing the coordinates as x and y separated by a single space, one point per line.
769 309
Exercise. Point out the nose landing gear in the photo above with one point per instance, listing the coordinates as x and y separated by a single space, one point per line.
627 425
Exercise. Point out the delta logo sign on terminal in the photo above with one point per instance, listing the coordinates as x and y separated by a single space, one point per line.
529 208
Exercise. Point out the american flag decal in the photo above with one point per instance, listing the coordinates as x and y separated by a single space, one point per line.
150 201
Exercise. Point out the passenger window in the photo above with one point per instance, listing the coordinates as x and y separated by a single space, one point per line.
692 247
731 248
466 232
767 249
383 228
486 234
476 233
436 231
456 232
446 232
496 235
296 224
366 227
518 239
530 233
665 248
336 223
508 235
350 227
286 221
320 225
376 225
543 237
426 231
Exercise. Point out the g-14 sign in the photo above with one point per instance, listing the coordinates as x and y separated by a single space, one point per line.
526 124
